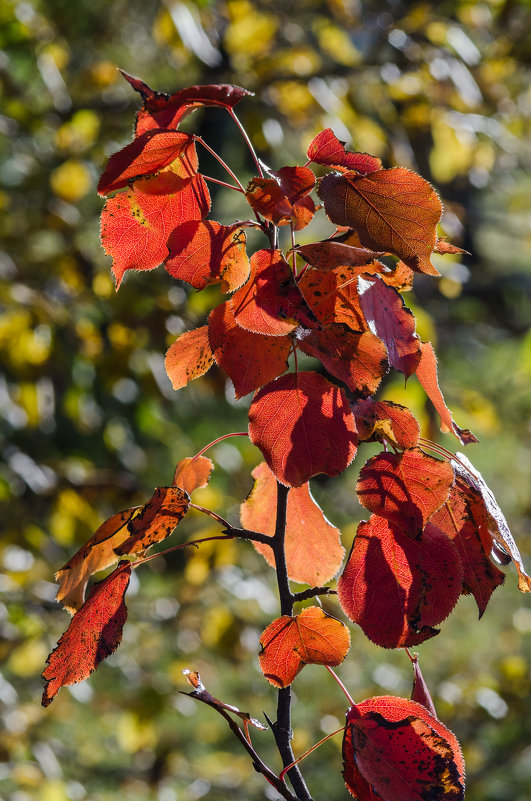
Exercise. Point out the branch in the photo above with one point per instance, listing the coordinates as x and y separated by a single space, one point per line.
246 534
258 765
282 728
312 593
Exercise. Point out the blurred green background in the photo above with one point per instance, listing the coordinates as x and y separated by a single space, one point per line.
89 422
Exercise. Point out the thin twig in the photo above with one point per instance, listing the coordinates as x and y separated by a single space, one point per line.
312 593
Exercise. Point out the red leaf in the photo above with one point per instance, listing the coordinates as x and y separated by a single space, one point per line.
313 546
490 517
135 225
402 752
270 302
357 358
481 576
397 588
426 373
250 360
285 200
389 319
295 182
303 425
189 357
206 252
161 110
156 520
395 211
329 254
146 155
94 633
192 473
405 488
327 149
311 638
377 420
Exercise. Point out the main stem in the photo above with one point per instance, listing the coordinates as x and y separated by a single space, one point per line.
282 727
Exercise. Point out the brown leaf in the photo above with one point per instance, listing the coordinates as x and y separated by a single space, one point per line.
395 211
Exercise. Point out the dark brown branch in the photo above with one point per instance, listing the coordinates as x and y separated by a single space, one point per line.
282 727
312 592
246 534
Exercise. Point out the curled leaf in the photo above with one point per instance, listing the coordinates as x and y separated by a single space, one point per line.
426 373
328 150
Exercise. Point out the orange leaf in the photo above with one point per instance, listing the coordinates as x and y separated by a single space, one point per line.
313 546
155 520
311 638
405 488
101 549
358 358
397 588
250 360
426 373
136 224
395 211
303 425
189 357
193 473
206 252
94 633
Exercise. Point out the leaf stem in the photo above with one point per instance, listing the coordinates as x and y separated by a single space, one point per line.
247 141
218 158
145 559
221 183
309 751
220 439
341 685
211 514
